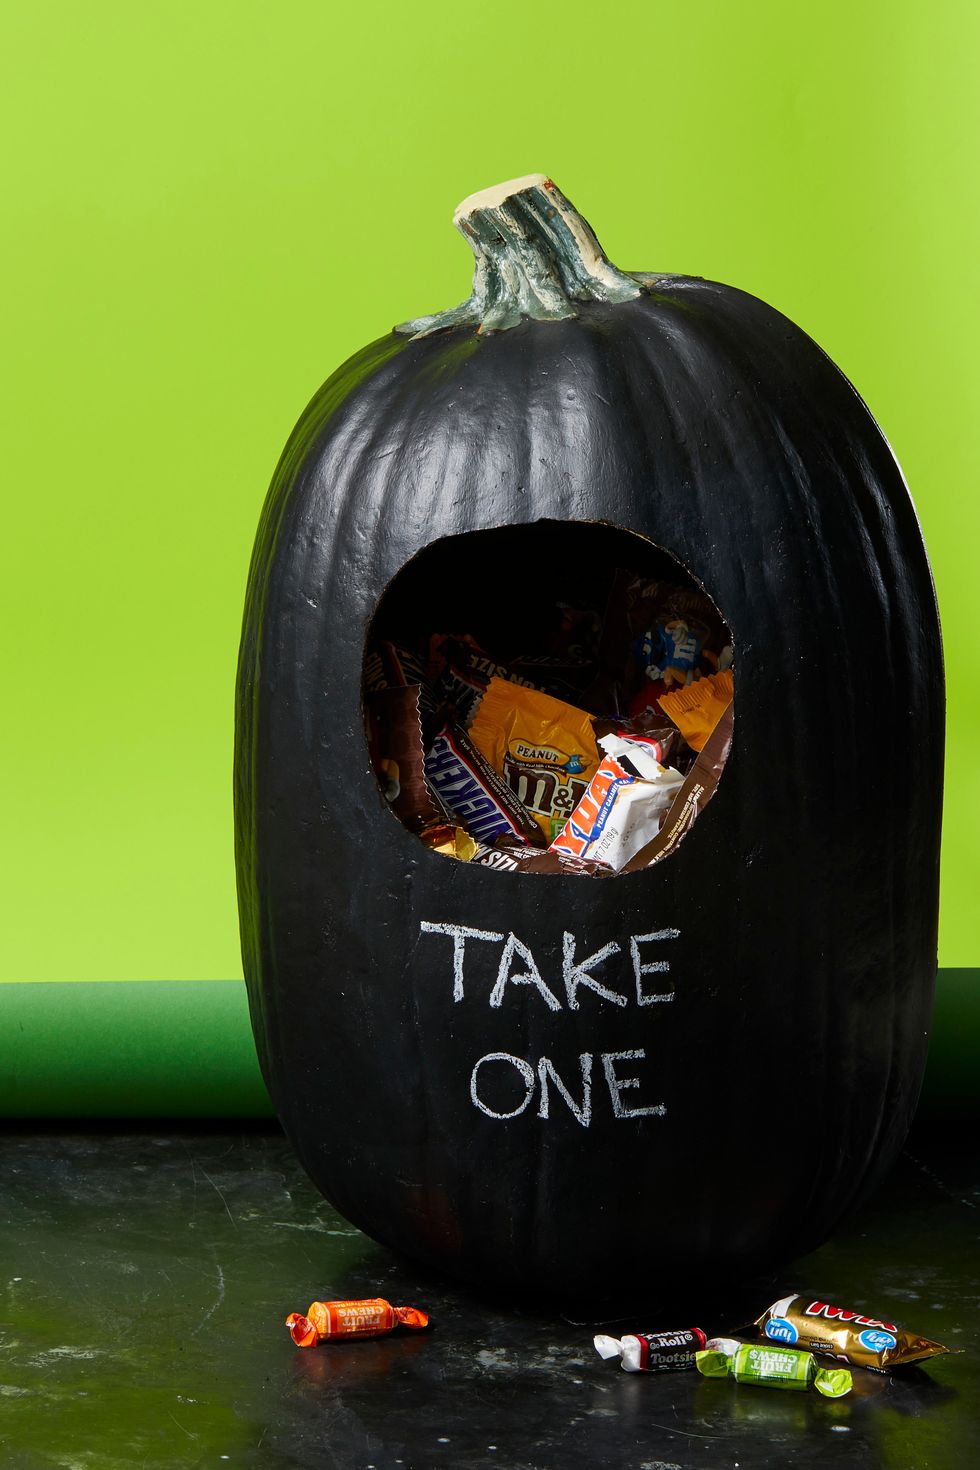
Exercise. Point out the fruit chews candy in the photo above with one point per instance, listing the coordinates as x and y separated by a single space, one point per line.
773 1367
373 1317
543 748
653 1352
869 1342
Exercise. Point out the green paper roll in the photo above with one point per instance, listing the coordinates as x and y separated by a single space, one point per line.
128 1049
183 1049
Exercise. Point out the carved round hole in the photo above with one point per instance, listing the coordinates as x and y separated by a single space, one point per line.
554 697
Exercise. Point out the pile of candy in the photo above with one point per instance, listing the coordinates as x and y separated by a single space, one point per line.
592 753
796 1333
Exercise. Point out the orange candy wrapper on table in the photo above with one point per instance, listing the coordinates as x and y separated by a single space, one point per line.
373 1317
544 749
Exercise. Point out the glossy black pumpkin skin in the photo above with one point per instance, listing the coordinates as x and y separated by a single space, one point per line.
790 1058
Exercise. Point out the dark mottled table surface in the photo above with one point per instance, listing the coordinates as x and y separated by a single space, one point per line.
145 1276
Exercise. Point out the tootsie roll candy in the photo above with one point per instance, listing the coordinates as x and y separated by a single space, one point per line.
653 1352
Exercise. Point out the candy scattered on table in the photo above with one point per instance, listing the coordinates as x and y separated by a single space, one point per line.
771 1367
837 1332
653 1352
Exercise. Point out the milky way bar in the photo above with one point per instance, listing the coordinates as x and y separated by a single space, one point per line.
470 788
653 1352
836 1332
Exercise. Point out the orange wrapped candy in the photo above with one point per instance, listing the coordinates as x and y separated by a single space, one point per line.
697 708
373 1317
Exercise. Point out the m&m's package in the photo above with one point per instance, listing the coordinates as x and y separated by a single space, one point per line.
545 749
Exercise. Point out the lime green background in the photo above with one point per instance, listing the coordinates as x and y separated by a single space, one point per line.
208 205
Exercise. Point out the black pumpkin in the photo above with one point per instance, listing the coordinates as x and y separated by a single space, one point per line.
745 1058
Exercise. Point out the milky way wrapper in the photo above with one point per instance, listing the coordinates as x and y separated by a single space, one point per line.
544 749
771 1367
698 788
836 1332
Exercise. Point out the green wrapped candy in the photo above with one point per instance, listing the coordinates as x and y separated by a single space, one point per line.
778 1367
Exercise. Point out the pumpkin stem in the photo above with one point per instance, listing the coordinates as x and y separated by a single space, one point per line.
535 257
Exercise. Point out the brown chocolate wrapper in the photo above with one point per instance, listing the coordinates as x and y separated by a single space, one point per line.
394 721
837 1332
469 669
389 667
509 857
699 787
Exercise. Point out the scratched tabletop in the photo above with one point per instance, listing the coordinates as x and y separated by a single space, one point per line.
146 1276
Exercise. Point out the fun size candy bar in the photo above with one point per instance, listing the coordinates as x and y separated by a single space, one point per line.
512 857
653 1352
623 807
396 745
697 708
373 1317
473 792
389 667
870 1342
544 749
772 1367
658 736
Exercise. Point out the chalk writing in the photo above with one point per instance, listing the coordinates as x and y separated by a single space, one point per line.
494 1076
460 933
545 1076
576 974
